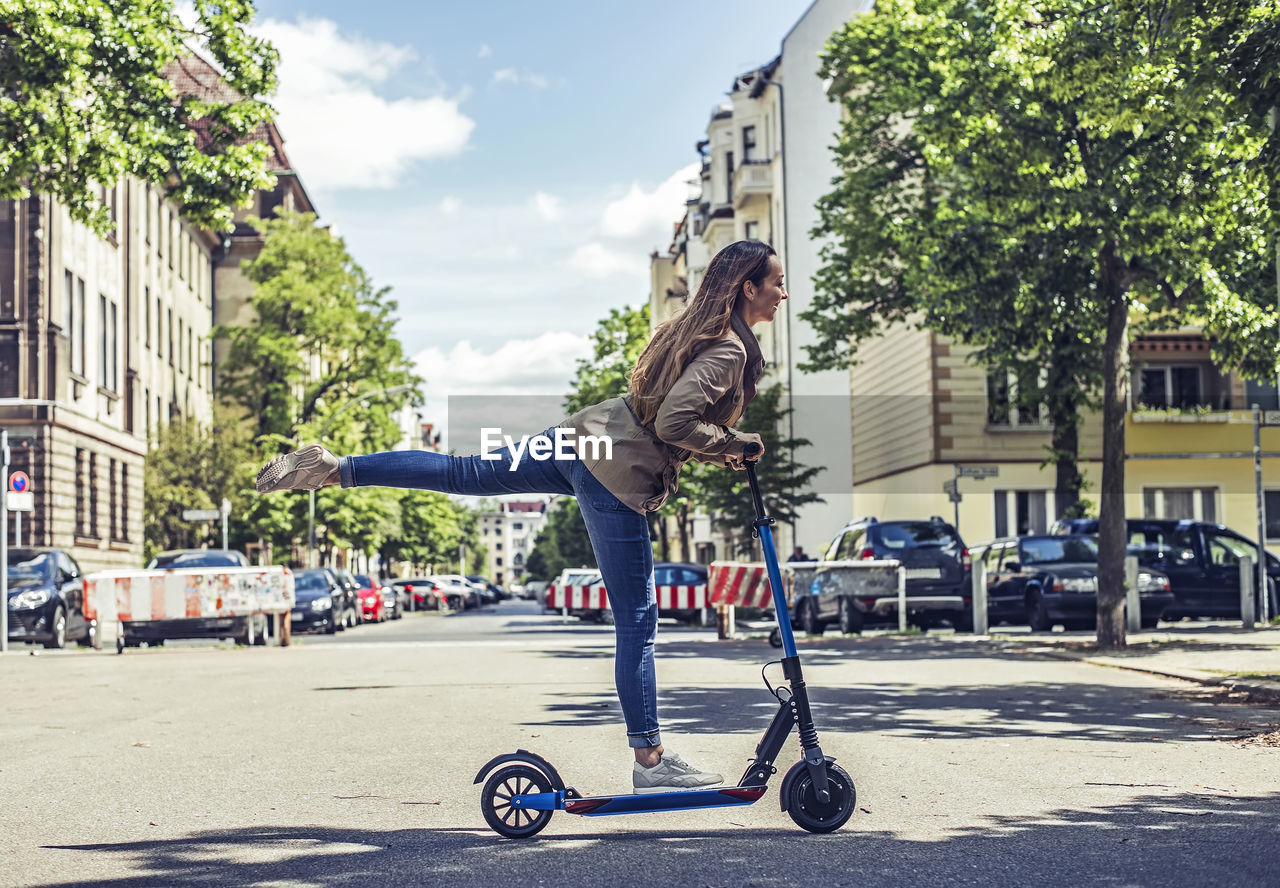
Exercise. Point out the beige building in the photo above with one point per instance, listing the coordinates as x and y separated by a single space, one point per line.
508 533
105 339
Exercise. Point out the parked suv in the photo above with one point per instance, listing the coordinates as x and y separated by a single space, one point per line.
937 565
1202 561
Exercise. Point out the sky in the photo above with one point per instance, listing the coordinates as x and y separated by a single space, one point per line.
506 168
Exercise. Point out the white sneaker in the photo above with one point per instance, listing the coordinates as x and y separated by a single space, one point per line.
671 774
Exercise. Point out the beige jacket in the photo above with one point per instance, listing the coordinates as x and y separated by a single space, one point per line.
693 423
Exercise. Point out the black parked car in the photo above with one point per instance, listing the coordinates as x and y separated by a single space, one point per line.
1202 561
347 604
46 598
937 565
318 602
496 592
1045 580
154 632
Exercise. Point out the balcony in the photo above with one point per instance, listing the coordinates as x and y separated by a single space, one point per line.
751 180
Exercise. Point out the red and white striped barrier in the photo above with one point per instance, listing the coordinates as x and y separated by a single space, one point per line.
595 597
740 583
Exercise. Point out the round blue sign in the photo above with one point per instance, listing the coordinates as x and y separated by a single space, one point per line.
18 482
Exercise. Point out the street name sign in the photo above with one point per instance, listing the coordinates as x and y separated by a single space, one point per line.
978 471
201 514
21 502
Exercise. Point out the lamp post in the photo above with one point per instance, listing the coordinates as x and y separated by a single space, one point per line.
311 494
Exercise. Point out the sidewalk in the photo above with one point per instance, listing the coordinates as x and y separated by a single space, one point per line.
1212 655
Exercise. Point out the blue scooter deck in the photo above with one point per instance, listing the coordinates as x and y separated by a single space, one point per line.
641 803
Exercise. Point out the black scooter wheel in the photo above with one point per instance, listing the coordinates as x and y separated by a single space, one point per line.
810 813
775 637
495 801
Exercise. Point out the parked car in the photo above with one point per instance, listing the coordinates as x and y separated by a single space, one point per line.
155 632
422 591
1201 559
459 595
349 582
498 593
372 606
46 598
937 565
534 590
680 573
317 602
390 597
1046 580
346 604
475 592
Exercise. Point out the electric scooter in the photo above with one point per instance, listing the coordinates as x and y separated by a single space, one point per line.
520 796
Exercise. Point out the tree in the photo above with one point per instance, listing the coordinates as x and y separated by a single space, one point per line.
192 466
93 90
723 493
561 542
316 364
1101 150
616 346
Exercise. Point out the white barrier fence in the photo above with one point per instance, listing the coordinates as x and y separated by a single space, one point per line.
115 597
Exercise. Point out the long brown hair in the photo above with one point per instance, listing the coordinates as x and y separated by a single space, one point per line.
704 320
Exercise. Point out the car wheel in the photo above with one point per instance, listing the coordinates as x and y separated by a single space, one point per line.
90 634
1038 614
850 618
59 628
810 621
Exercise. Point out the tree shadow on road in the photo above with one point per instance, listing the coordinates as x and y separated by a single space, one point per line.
1178 837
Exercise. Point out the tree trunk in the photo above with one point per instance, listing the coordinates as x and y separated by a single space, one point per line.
1066 458
1112 538
682 527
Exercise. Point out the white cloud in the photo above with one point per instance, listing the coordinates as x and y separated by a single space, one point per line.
510 75
645 212
598 261
450 206
484 52
549 206
340 133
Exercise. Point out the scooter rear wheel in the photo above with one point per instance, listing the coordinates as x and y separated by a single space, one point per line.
495 801
810 813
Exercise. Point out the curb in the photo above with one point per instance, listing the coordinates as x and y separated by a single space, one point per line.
1261 687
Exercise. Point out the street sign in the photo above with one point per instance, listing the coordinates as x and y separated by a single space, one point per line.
956 497
201 514
978 471
19 482
1271 417
21 502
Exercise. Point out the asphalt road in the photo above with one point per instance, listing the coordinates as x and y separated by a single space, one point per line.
349 761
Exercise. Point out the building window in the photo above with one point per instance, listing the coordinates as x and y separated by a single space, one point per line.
1264 394
146 199
728 179
749 144
1003 404
1271 505
170 317
1194 503
93 495
112 500
1170 386
109 320
146 309
1020 512
752 230
498 561
517 526
191 366
146 399
124 501
180 343
498 546
75 322
518 561
82 492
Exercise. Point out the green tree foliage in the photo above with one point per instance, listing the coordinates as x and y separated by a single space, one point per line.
432 528
616 346
193 466
562 542
1024 157
87 95
316 365
724 493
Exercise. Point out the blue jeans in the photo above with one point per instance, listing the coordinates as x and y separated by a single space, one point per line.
619 538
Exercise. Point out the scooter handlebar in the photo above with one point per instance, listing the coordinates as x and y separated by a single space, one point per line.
752 450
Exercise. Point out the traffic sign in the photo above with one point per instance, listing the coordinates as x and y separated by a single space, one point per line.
201 514
19 482
21 502
978 471
949 487
1271 417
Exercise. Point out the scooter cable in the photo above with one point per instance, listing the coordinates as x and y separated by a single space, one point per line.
777 692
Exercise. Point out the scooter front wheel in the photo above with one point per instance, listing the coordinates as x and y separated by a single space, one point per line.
495 801
814 815
775 637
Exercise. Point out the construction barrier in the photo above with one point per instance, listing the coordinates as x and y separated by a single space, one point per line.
115 597
739 583
596 598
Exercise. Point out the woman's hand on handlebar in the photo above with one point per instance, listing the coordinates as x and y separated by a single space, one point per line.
752 451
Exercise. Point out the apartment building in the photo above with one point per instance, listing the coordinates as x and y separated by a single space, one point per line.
105 339
508 533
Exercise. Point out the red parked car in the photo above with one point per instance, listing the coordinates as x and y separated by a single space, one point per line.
369 593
